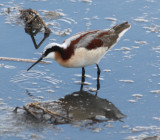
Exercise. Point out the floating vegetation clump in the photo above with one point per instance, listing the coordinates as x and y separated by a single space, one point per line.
34 24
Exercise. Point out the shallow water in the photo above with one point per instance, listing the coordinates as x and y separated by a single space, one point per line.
130 71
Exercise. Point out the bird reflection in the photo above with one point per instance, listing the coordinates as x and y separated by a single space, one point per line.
83 105
78 106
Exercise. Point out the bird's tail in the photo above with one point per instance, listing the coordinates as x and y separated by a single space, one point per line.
121 27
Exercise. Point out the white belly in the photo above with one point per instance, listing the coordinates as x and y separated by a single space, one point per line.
83 57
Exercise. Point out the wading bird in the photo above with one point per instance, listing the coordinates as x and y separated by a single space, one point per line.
84 48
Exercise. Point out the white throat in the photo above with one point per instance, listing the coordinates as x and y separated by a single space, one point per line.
51 55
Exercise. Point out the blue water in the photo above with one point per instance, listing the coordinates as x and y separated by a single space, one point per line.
140 64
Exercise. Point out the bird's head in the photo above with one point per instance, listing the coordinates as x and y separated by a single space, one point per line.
49 52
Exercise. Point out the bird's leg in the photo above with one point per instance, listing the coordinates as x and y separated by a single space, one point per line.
83 78
98 75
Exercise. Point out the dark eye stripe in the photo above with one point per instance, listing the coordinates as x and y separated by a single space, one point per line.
53 49
48 51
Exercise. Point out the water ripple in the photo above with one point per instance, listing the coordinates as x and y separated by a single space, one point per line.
24 75
36 81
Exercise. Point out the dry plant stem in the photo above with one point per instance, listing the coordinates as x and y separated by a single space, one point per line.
22 60
30 112
54 114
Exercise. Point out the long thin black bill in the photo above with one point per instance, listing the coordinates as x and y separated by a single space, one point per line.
35 63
